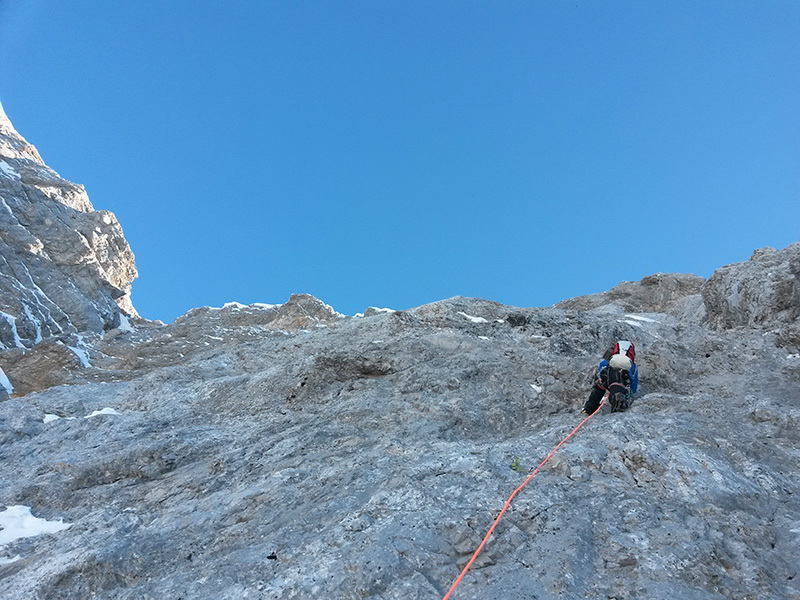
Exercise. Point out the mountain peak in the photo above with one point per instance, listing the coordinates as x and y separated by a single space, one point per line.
66 269
13 145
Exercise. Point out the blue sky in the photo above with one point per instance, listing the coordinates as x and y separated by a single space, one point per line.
397 153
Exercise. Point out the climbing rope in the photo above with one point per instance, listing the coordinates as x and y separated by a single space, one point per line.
511 497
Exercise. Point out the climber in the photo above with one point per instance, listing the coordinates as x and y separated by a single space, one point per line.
616 374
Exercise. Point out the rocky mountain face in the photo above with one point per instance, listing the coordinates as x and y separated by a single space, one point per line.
289 452
65 269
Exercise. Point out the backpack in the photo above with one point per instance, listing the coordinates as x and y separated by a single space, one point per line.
625 347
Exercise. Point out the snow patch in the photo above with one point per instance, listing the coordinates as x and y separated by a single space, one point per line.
473 319
482 337
17 522
36 323
105 411
82 355
8 208
12 321
8 170
5 382
629 322
641 318
124 323
50 418
240 306
537 388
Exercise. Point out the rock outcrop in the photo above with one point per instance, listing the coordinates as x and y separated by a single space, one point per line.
763 292
65 269
301 311
661 292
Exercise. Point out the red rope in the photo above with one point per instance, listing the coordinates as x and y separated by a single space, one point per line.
511 497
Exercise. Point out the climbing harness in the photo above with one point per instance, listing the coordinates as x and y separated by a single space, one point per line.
511 497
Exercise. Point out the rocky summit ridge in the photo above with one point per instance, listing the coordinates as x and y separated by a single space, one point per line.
289 452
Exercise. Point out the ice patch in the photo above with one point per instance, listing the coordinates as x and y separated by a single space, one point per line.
482 337
537 388
105 411
17 522
8 170
5 382
473 319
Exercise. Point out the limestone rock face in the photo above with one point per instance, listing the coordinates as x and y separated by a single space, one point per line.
763 292
661 292
64 267
301 311
365 459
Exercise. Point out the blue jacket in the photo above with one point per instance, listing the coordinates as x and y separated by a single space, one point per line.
633 372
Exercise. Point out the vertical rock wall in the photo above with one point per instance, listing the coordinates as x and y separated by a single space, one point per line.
64 267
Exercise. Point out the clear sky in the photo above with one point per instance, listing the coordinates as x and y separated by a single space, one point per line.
394 153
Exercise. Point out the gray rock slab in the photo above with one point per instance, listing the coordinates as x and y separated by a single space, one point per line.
367 459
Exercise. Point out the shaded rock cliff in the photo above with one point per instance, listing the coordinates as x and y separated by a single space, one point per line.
65 268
